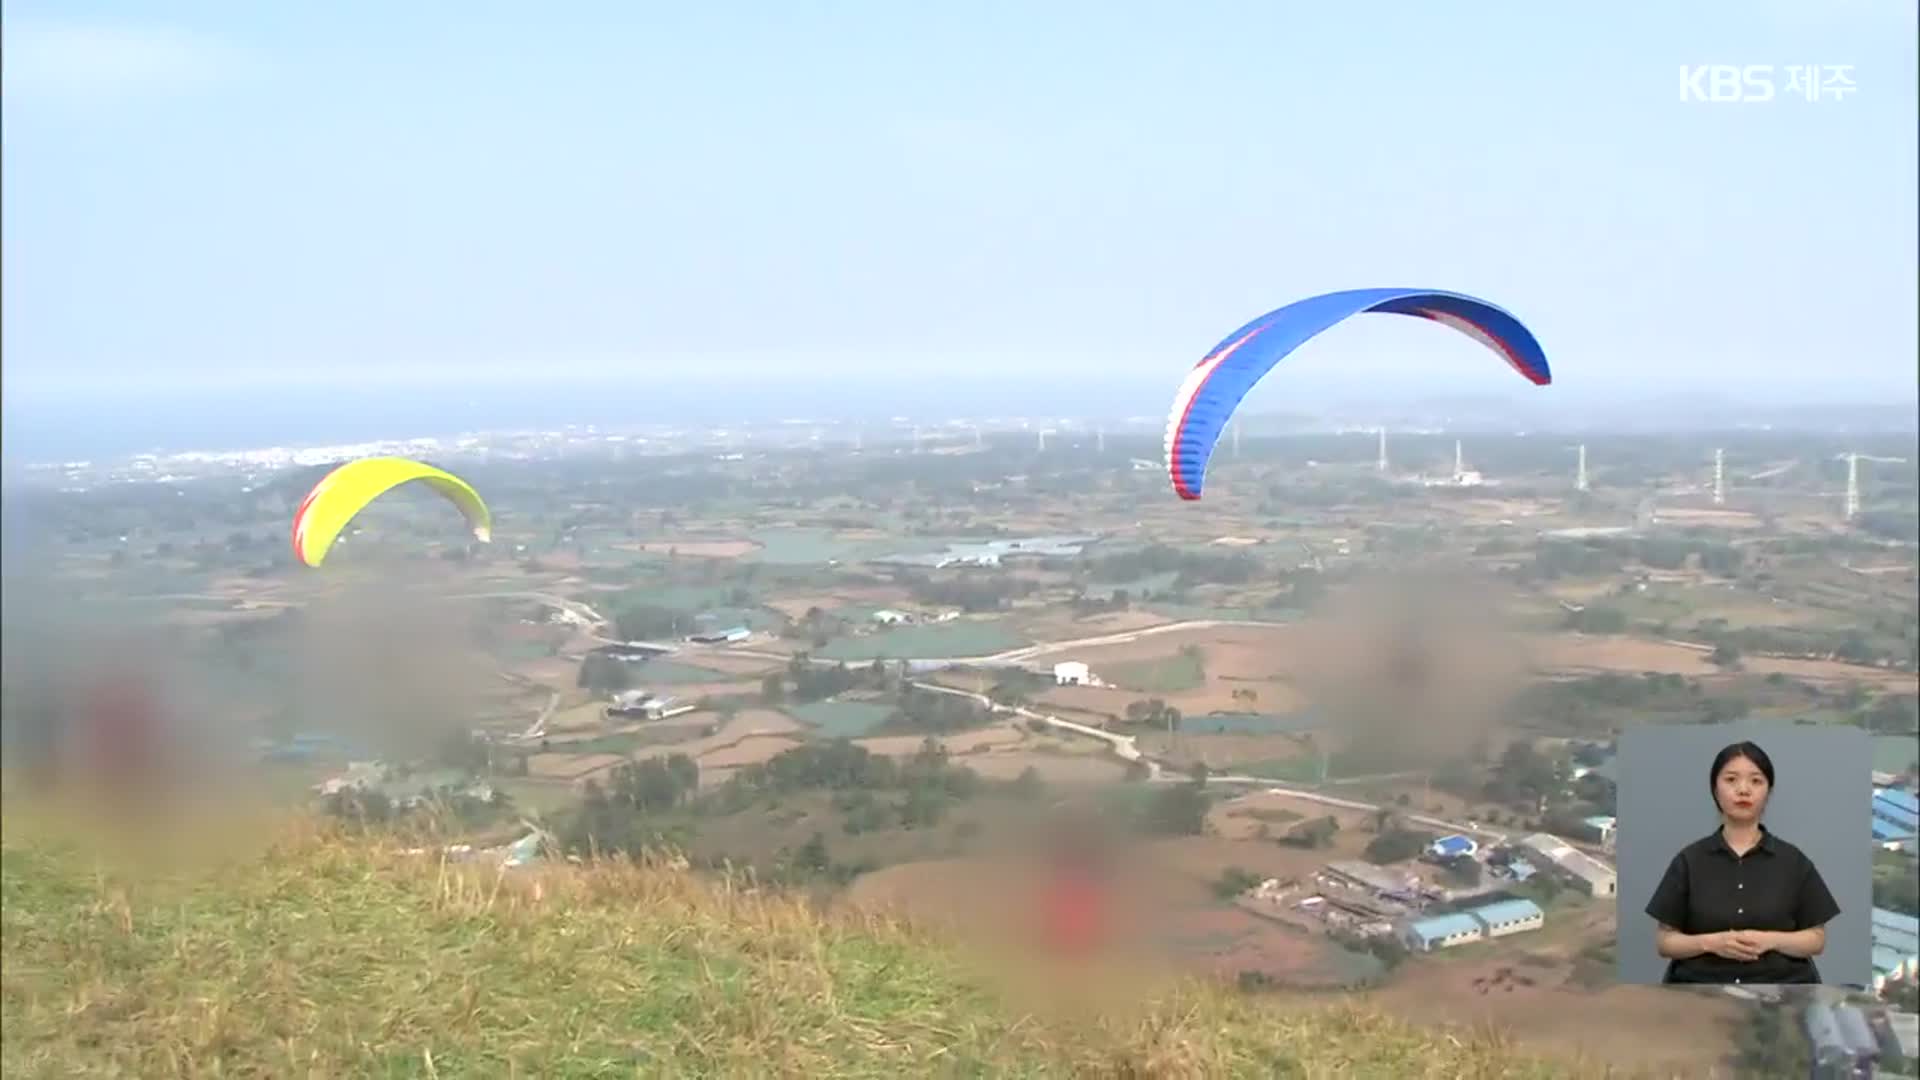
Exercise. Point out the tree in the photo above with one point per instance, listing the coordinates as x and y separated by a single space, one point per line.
1894 714
603 674
1726 656
1178 810
1199 772
1467 871
1396 845
1234 881
1028 785
812 857
773 689
1726 710
646 621
1316 833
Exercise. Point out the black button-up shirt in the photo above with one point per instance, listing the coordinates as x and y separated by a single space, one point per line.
1774 886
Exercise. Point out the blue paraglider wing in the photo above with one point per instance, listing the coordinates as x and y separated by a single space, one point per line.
1216 385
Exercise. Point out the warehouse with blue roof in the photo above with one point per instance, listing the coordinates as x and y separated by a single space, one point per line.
1896 947
1498 919
1896 818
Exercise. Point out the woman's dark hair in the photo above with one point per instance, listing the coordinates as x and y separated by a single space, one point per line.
1750 751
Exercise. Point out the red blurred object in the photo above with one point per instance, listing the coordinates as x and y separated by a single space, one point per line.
1076 913
121 724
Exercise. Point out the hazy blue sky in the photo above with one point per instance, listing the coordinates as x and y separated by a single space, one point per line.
326 192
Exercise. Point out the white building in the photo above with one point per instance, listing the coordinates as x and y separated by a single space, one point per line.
1591 875
1072 673
891 618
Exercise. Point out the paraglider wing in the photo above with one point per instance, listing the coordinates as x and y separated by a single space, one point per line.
1215 386
342 493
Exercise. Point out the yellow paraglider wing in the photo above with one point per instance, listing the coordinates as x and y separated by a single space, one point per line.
342 493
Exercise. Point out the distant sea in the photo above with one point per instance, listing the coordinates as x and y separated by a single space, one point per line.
42 427
73 428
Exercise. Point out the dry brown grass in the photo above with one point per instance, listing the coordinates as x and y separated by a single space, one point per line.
324 955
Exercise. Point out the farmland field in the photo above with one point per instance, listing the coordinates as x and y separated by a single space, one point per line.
1161 675
954 639
841 719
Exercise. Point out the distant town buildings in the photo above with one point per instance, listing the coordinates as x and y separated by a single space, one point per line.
728 636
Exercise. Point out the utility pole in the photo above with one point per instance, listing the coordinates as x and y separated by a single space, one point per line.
1580 478
1100 441
1381 464
1043 440
1719 476
1853 478
1459 462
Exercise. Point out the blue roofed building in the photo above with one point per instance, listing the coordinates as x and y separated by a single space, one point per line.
1504 917
1443 932
1453 847
1896 947
1896 818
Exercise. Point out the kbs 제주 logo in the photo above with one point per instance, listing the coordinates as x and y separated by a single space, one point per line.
1748 84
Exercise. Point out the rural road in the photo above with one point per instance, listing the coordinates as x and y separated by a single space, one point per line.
1124 746
1029 652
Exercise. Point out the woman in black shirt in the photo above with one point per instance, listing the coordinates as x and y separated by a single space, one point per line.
1741 905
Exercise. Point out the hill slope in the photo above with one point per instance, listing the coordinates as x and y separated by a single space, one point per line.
331 957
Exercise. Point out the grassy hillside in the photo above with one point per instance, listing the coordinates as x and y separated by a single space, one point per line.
327 956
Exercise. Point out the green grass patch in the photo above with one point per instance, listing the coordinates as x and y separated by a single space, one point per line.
672 672
1163 675
841 719
1293 770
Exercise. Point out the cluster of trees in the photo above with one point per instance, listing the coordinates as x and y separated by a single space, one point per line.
605 675
1189 568
969 591
1524 777
1314 833
1596 556
1177 809
1396 843
1117 600
1590 704
818 682
444 808
928 784
626 816
933 712
649 622
1154 713
1851 646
